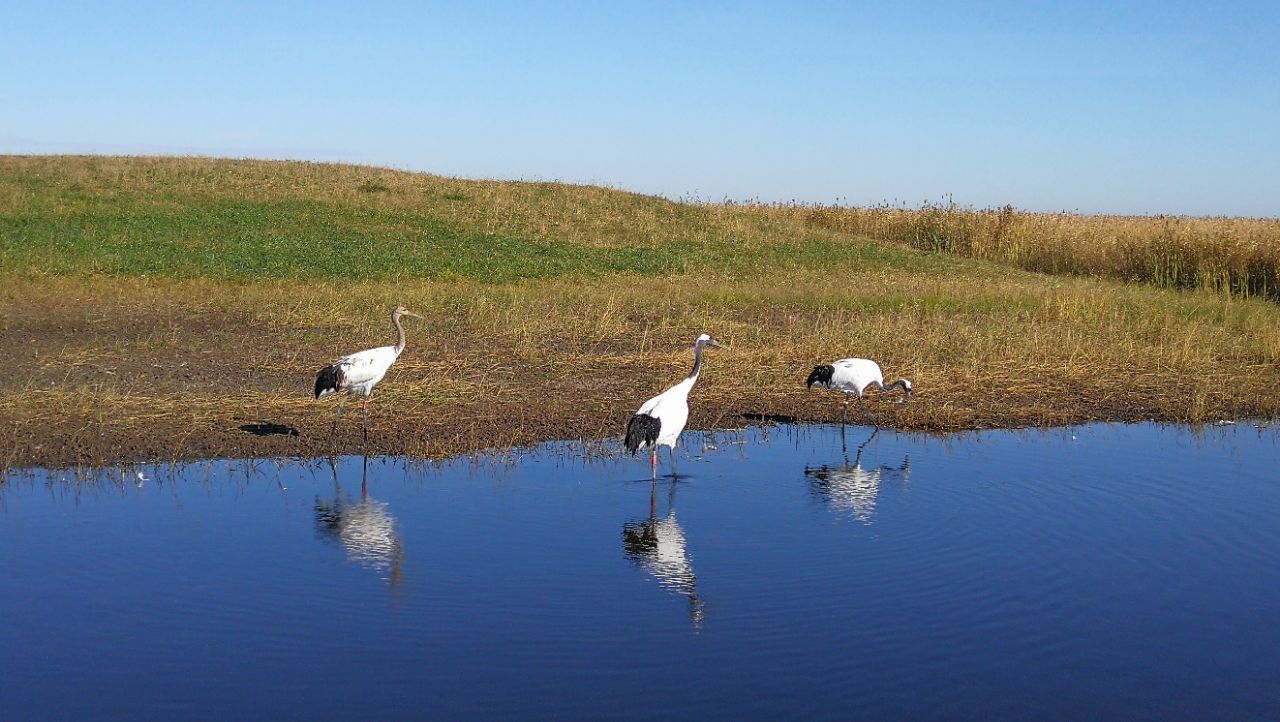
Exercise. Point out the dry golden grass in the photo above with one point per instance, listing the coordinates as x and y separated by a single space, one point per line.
1240 256
493 365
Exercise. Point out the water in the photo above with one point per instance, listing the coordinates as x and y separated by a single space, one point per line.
1103 572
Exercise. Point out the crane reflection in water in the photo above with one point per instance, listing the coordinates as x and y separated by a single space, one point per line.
849 488
364 529
658 546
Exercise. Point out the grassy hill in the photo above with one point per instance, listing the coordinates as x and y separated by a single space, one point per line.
198 295
250 220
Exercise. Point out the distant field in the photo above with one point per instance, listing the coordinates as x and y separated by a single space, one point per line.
151 307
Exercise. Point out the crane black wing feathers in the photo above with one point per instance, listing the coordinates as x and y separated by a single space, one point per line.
329 380
641 429
821 375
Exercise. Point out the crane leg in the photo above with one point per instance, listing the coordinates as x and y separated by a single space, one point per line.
866 413
671 452
844 418
654 463
364 408
336 417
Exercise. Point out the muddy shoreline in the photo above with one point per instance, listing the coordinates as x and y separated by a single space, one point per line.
302 430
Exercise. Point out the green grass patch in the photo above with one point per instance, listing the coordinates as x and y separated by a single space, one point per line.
234 220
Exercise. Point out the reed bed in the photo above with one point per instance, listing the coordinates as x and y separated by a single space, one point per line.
1235 256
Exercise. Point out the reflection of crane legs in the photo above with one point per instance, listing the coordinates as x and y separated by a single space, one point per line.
858 456
653 499
364 476
844 448
333 472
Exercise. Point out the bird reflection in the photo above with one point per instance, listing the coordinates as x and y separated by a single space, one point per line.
849 488
365 529
658 546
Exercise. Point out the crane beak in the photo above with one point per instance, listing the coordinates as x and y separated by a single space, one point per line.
716 344
411 313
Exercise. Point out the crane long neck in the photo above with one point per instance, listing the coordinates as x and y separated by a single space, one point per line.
697 363
395 321
899 384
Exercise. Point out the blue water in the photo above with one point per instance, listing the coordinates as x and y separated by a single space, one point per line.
1102 572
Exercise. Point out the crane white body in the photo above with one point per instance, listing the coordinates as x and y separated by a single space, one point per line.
671 409
853 376
361 371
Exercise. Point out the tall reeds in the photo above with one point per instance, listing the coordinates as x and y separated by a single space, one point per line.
1237 256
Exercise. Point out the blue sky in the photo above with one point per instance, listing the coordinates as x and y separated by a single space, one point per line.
1140 107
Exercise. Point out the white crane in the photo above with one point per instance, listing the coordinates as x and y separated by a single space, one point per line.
852 376
361 371
659 421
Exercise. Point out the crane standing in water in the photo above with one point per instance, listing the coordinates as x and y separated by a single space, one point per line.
659 421
361 371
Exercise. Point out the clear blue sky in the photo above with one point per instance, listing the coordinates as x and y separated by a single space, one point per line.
1128 107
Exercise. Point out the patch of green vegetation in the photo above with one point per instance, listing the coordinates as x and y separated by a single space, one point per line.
130 223
282 239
